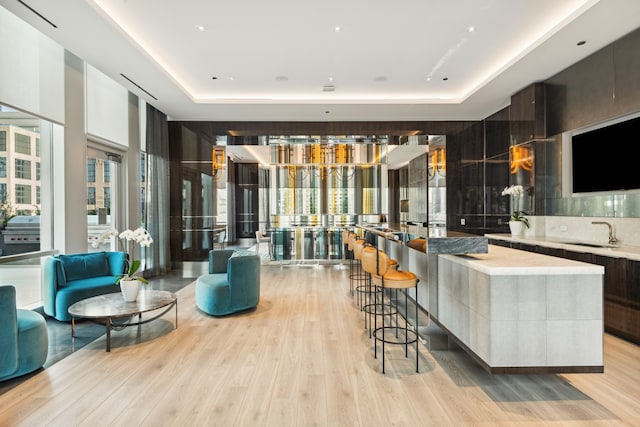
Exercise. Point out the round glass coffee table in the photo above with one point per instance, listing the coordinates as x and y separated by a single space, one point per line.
114 312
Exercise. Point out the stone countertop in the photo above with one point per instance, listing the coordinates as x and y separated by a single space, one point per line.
448 243
500 261
615 251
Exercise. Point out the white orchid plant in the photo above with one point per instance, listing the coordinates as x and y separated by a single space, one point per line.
516 191
127 238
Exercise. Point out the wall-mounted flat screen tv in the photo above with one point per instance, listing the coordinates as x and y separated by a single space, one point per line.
605 159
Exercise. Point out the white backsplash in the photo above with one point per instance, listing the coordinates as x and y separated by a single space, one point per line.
626 230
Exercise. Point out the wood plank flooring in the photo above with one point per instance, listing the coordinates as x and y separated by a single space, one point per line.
303 358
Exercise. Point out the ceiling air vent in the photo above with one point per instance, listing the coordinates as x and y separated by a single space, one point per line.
328 88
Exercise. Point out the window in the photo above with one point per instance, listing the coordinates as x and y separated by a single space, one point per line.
91 170
37 171
107 171
23 169
37 147
3 140
3 193
23 143
3 167
38 195
91 195
23 194
107 197
143 165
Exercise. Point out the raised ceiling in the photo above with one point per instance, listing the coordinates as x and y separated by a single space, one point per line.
334 60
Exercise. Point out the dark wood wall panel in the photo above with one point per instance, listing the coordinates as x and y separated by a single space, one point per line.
527 118
601 87
626 57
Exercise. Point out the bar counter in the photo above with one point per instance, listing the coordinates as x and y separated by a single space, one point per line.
513 311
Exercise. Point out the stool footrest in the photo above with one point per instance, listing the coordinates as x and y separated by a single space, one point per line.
406 336
380 310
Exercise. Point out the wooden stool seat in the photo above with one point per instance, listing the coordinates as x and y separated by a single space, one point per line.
396 279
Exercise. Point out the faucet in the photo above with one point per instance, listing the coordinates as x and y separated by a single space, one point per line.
612 238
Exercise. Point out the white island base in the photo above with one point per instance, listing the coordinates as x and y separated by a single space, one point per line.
520 312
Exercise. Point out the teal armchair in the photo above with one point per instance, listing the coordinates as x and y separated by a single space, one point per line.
24 342
68 279
232 285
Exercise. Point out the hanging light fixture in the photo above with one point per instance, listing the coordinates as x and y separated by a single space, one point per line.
218 160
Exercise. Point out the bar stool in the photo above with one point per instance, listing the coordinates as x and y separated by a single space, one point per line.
375 305
346 252
362 280
354 265
392 334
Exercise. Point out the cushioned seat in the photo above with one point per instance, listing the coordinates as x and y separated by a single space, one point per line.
68 279
232 285
24 342
419 243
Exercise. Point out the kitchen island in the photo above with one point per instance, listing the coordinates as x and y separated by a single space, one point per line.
521 312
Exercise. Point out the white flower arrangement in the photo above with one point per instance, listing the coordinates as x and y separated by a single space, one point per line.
513 190
139 236
516 191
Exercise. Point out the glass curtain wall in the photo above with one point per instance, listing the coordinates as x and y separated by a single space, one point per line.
25 164
20 181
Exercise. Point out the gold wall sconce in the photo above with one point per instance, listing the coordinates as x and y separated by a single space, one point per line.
521 158
437 162
218 162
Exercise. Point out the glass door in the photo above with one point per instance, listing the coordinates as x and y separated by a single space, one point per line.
102 196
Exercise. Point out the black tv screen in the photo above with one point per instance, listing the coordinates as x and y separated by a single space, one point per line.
605 159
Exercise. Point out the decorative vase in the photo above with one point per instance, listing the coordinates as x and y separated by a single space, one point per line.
130 289
516 228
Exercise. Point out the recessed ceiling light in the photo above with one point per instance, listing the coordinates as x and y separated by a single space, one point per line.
445 78
214 78
231 78
330 79
471 29
200 28
581 43
337 29
428 78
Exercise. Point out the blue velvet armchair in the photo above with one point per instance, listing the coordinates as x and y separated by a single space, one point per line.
232 285
68 279
24 342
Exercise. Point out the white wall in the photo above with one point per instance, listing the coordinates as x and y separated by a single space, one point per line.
107 108
31 69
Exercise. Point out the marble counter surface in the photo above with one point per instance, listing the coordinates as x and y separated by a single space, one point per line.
617 251
505 261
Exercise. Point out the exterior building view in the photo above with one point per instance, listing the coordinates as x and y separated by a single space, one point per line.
360 214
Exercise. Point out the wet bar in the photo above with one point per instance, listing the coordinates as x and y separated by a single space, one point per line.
512 311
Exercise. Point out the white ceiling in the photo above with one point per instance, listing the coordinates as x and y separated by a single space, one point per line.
388 61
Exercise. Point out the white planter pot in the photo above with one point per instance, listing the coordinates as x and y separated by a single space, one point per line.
130 289
516 227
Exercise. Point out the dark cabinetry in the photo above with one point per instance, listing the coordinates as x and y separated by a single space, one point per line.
527 114
621 286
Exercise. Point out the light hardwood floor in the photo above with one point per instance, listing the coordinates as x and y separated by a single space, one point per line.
303 358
